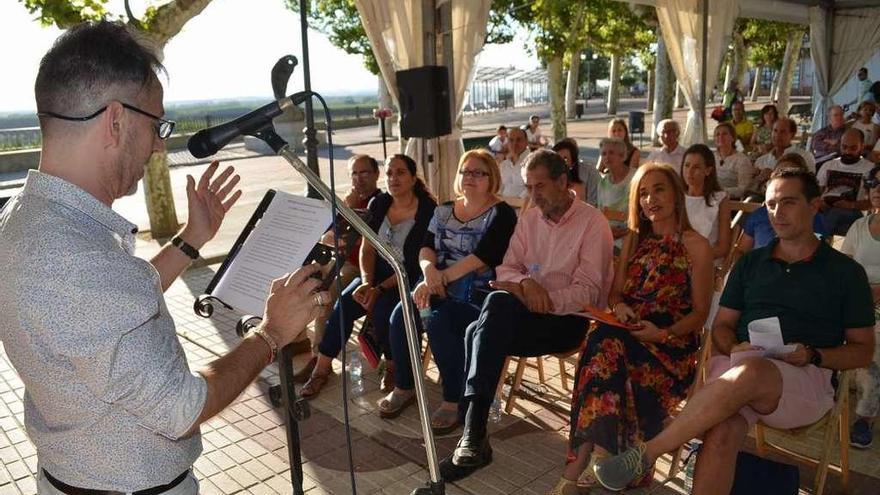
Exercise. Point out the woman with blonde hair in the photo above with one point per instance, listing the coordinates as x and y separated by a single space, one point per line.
466 240
630 377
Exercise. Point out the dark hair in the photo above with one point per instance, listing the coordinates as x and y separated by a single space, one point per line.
872 174
809 184
711 185
766 109
792 125
372 161
795 159
501 127
90 64
572 147
419 188
550 160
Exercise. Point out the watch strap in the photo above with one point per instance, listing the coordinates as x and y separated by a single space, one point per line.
187 249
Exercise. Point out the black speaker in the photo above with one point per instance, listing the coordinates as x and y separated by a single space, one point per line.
636 122
423 94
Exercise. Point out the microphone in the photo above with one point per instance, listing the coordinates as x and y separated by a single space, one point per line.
209 141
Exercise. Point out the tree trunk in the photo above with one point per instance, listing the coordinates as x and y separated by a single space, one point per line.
557 97
774 87
650 87
756 84
614 87
786 75
571 85
679 96
740 62
728 75
664 87
169 19
159 197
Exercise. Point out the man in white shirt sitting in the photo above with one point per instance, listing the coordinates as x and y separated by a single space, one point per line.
783 132
534 135
513 188
844 197
498 144
671 153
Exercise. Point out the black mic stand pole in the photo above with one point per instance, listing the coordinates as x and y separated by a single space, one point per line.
311 141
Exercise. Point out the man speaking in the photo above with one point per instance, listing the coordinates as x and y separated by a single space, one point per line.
110 402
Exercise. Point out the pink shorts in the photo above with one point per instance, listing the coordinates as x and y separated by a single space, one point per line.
807 393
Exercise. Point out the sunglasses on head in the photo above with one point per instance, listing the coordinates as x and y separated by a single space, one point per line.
871 183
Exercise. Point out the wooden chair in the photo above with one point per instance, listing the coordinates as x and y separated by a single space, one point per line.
521 364
742 210
835 419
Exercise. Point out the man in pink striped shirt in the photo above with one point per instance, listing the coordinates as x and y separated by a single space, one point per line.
558 261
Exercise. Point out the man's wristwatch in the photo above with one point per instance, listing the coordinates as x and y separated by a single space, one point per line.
188 250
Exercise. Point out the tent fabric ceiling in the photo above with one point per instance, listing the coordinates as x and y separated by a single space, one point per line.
795 11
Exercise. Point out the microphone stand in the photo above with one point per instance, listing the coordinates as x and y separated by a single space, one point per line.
435 485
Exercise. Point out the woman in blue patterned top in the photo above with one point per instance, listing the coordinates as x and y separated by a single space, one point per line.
466 240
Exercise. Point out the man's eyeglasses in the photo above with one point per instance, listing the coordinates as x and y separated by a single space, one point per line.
164 127
473 174
871 183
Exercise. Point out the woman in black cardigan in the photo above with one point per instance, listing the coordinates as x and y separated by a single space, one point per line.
400 217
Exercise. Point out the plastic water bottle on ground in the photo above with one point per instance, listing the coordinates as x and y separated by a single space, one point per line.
356 374
495 411
425 316
690 462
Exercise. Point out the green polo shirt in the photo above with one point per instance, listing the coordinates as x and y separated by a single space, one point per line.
815 299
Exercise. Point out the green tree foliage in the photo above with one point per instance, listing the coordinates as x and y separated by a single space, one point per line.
766 40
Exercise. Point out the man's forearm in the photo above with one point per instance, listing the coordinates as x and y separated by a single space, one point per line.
228 376
852 355
724 339
170 262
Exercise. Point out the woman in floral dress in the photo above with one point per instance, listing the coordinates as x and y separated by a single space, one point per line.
629 380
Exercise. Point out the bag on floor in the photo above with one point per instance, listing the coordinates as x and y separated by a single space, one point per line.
759 476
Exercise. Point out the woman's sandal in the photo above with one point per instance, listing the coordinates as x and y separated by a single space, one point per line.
395 403
313 387
444 421
387 383
565 487
587 479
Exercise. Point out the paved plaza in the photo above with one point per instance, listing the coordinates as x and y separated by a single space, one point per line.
245 447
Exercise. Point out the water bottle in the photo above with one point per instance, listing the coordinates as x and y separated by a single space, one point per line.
495 411
356 373
425 316
690 462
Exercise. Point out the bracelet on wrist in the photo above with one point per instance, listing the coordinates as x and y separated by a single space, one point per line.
185 247
273 347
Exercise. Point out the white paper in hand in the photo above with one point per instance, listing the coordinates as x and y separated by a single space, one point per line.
767 334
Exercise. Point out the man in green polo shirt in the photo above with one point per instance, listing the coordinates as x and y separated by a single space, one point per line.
823 307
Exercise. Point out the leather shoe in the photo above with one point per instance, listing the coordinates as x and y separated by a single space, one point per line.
472 451
305 373
451 471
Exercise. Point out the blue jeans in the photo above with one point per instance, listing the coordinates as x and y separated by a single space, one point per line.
449 320
332 342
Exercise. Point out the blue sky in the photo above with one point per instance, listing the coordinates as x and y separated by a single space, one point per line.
224 52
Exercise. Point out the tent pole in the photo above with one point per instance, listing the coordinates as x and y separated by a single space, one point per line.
704 26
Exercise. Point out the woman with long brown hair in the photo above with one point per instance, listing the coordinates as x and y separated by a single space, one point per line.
629 379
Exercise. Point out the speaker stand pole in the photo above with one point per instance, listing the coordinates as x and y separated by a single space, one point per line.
384 149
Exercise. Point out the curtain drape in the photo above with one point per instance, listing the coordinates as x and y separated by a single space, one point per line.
394 28
680 22
854 38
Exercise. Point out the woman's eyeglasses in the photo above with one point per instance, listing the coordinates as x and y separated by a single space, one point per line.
473 174
871 183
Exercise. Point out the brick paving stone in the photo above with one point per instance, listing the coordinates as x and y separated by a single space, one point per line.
225 483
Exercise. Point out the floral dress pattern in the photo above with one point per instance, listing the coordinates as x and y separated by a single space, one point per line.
625 388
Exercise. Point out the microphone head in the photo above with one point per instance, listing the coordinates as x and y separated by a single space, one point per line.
200 144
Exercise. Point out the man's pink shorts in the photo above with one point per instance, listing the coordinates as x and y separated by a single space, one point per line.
807 393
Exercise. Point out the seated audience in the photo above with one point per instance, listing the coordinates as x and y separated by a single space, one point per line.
617 128
498 144
629 381
734 169
862 243
826 141
783 131
533 133
708 209
843 197
466 240
558 261
743 126
364 172
671 152
757 230
512 186
761 138
614 186
401 218
583 179
869 129
822 303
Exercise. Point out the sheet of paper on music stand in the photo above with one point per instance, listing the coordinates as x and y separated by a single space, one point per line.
278 244
767 333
